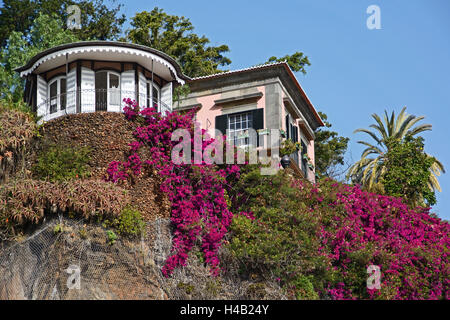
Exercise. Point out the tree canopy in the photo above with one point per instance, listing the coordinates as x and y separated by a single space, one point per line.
297 61
408 171
175 36
329 150
98 20
46 32
368 171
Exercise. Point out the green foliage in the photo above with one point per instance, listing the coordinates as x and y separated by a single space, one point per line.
99 20
188 288
83 233
174 36
282 240
329 149
129 222
296 61
304 288
368 170
9 104
59 163
288 147
181 92
58 228
111 236
46 31
408 171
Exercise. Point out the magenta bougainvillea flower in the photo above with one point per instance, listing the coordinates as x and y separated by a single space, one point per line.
200 213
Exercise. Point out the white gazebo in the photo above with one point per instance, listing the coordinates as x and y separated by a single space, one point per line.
96 76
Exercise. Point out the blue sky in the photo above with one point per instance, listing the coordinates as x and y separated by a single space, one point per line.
354 71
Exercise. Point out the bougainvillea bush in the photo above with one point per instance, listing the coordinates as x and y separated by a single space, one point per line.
317 241
200 213
410 245
324 244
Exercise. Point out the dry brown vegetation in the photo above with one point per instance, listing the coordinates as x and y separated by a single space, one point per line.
17 130
28 200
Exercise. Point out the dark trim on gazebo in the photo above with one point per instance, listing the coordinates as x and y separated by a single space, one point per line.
105 43
136 81
78 103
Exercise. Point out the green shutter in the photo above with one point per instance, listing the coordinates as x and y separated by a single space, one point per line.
288 128
258 122
295 134
258 119
222 123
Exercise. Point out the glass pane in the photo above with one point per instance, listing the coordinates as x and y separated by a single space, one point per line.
114 89
101 78
113 81
63 96
54 97
53 89
155 94
148 96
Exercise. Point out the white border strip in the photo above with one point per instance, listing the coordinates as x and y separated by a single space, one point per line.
130 51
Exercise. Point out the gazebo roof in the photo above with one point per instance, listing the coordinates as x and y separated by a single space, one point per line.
164 65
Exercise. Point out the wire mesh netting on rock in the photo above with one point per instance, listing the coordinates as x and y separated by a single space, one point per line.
66 259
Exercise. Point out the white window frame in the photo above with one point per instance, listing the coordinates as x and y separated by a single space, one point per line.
245 136
110 90
158 89
58 93
306 169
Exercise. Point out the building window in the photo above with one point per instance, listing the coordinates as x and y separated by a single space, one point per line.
238 125
57 94
152 95
107 90
292 134
304 159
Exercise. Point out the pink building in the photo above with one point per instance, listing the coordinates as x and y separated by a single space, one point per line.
96 76
263 98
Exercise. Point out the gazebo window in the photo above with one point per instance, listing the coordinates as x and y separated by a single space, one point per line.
238 125
57 94
152 95
107 90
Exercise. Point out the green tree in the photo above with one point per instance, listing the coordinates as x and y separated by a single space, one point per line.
408 170
281 243
296 61
98 20
174 36
329 149
369 170
46 32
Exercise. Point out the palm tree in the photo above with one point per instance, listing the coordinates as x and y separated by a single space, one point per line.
368 170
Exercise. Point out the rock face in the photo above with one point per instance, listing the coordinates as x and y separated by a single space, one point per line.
68 260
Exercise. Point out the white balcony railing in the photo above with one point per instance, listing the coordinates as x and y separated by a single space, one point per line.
91 100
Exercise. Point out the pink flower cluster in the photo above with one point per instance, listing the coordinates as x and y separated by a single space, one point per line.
410 245
200 213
